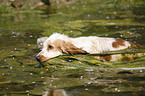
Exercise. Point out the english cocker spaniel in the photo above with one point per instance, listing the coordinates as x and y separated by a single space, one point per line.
59 44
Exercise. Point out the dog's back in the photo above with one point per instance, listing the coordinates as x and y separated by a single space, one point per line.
93 44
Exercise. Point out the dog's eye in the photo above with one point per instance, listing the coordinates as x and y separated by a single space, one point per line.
50 47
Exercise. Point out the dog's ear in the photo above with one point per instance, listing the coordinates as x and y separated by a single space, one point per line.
69 48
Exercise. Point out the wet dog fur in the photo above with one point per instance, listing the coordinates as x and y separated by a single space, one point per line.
60 44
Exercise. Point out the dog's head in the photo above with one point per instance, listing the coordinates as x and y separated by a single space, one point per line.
56 45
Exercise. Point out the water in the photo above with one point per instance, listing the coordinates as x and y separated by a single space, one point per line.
21 75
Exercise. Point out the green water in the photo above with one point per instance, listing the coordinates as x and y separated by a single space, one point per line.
21 75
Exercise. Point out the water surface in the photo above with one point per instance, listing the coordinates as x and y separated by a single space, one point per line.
77 75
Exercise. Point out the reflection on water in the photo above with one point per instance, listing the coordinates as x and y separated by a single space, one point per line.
59 92
72 75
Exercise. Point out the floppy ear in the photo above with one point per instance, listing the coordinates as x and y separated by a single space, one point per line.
69 48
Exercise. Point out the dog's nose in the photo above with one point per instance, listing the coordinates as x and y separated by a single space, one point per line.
38 58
